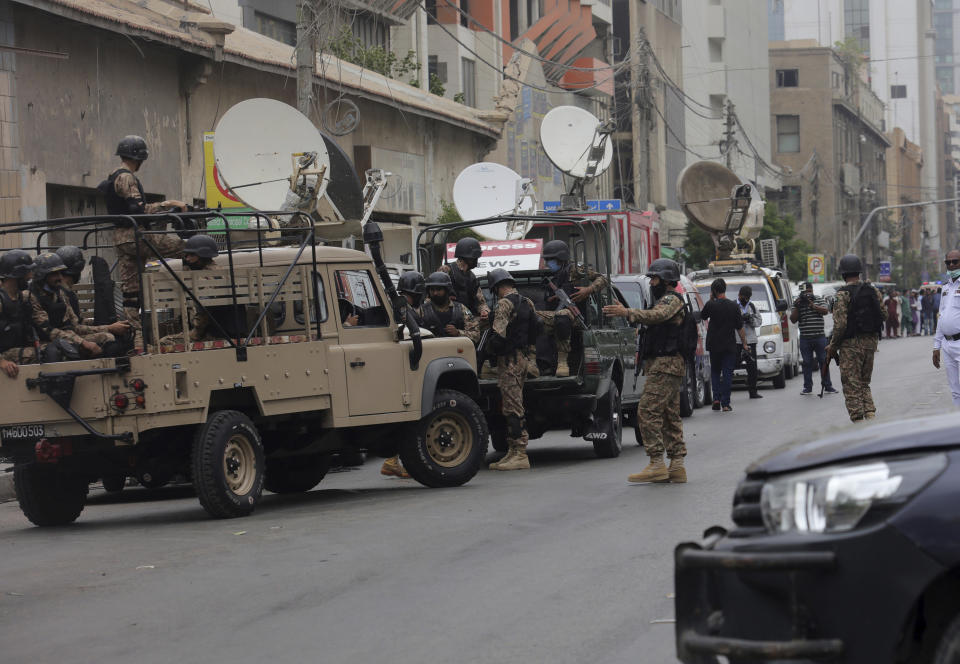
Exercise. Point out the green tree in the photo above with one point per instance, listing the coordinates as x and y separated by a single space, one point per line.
348 47
794 249
699 247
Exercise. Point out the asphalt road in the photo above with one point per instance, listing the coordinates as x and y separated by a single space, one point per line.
564 563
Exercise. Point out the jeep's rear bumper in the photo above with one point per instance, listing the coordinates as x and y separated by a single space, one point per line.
840 598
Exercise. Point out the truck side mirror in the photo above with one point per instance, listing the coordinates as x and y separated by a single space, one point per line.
782 305
697 317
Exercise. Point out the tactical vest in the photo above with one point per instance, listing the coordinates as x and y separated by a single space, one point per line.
465 285
15 321
522 329
73 300
563 281
55 307
115 204
663 339
437 321
863 313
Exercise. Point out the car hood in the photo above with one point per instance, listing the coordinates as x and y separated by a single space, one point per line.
861 441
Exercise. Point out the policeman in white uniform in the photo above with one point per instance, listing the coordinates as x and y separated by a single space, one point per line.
947 338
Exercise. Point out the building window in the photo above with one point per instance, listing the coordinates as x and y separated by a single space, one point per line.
370 30
276 28
435 67
715 47
856 21
788 78
430 6
465 8
469 82
836 80
788 133
898 92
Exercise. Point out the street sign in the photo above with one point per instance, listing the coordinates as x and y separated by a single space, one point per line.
885 271
601 205
816 268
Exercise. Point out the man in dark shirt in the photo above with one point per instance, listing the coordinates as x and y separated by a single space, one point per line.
726 324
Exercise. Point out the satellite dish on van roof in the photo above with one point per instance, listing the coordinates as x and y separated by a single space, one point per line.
258 144
487 190
703 190
569 135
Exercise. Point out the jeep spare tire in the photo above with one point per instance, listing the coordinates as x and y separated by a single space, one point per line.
228 465
448 445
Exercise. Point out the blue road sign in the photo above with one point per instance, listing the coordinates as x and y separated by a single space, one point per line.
884 268
602 205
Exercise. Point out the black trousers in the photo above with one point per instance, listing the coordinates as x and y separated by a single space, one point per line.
749 360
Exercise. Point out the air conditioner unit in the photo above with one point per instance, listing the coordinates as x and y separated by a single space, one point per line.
768 253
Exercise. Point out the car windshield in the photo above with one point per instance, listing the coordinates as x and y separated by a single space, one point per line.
632 293
760 297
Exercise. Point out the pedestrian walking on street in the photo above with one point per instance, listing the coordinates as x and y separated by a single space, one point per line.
892 303
658 412
858 317
751 321
947 338
915 312
808 312
929 313
512 334
906 317
726 324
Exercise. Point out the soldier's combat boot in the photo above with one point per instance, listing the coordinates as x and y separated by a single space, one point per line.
496 464
678 474
392 468
533 371
516 459
563 369
654 472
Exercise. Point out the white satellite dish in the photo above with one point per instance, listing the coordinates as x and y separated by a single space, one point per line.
256 146
568 135
487 190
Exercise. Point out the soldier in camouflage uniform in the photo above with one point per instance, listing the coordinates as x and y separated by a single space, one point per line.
513 330
56 320
466 286
566 276
445 317
199 253
658 412
125 196
17 335
858 317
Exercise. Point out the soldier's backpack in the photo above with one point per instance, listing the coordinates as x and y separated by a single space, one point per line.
863 315
689 335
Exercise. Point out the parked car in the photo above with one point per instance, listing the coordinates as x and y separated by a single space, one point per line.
828 291
635 290
845 549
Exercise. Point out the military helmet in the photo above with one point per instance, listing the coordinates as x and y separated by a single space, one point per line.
133 147
497 277
15 264
468 247
666 269
47 263
203 246
440 280
557 249
411 282
73 258
850 264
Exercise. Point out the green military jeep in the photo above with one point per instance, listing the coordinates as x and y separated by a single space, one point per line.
601 387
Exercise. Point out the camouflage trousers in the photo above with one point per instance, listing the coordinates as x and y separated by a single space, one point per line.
856 369
26 355
658 416
558 324
511 372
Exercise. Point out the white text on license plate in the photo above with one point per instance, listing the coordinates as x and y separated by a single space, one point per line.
22 432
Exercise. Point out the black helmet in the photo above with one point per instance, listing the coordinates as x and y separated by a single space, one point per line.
497 277
850 264
47 263
133 147
556 249
666 269
411 282
203 246
73 258
439 280
468 248
15 264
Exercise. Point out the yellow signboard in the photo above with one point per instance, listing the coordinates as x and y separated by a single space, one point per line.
816 268
217 194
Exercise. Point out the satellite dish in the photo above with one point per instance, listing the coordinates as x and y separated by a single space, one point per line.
568 135
345 190
703 190
255 145
487 190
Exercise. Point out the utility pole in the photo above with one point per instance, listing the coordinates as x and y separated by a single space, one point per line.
814 198
306 54
730 134
641 115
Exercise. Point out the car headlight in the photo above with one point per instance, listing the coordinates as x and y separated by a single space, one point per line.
766 330
769 347
836 498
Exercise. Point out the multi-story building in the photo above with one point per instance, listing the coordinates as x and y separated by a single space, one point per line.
904 166
826 128
946 25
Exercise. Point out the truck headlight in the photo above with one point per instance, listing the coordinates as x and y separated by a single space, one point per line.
836 498
767 330
769 347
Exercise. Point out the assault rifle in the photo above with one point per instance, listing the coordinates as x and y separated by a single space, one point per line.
825 368
483 346
566 302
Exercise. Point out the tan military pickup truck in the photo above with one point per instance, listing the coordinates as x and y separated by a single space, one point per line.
304 357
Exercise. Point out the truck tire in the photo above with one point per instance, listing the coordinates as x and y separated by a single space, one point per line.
48 496
780 380
700 390
611 424
228 465
448 446
114 482
296 474
687 394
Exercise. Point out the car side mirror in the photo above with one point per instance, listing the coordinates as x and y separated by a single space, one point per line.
782 305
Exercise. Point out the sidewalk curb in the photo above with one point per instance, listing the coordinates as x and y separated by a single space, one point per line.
7 492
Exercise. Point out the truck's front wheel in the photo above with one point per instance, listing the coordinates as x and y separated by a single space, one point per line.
228 465
447 447
48 495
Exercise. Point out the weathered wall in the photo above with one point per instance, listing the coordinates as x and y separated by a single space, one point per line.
10 186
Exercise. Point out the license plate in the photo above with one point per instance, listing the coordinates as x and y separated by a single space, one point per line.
23 432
